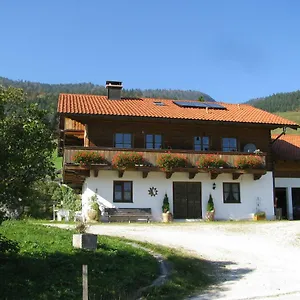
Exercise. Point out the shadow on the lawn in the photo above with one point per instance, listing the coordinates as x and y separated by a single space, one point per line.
112 275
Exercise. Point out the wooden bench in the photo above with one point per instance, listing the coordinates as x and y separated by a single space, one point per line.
129 214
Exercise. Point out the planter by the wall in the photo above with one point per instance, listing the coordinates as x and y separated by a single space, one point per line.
93 215
259 218
85 241
167 217
210 215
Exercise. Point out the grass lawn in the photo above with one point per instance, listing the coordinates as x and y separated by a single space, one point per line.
290 115
48 267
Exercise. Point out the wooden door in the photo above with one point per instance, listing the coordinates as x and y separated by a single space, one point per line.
187 200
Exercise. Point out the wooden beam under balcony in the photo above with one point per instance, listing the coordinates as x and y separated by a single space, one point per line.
236 175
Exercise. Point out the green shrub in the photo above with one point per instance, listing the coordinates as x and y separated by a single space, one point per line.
166 205
8 246
210 204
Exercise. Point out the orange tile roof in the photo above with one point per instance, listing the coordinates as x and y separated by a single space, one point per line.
287 147
145 107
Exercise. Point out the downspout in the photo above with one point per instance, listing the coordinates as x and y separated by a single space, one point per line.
280 135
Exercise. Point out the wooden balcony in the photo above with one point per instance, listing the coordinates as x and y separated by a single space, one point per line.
151 156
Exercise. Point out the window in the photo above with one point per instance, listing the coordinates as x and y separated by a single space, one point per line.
201 143
153 141
123 140
229 144
231 193
159 103
123 191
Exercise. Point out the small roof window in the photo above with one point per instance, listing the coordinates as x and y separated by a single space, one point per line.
159 103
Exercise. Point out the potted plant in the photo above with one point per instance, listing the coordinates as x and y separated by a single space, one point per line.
259 216
93 212
168 161
166 215
124 160
211 161
89 158
83 240
210 209
249 162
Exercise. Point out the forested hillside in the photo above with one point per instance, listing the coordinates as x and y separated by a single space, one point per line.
280 102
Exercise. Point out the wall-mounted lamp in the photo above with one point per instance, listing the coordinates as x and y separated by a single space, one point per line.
214 186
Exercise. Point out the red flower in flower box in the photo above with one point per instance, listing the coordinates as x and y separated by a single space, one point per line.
212 161
88 158
123 160
169 161
249 162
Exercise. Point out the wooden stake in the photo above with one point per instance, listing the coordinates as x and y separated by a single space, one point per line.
85 294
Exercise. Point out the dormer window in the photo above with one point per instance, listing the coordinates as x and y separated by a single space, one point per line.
201 143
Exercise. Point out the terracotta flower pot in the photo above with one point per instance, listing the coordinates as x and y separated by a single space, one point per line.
167 217
210 215
92 215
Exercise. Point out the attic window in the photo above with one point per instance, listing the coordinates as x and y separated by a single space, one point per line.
159 103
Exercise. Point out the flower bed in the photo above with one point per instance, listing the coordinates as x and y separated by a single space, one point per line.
88 158
212 161
249 162
169 161
123 160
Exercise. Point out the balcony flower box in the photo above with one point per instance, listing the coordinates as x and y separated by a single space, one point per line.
89 158
211 161
125 160
249 162
167 162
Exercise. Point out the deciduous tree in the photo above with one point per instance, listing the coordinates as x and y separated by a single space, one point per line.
26 146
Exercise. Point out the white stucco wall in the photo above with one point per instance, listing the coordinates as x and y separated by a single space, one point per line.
288 183
253 192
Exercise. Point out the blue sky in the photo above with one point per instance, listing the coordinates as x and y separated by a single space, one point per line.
233 50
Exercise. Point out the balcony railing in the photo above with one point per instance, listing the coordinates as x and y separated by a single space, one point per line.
151 156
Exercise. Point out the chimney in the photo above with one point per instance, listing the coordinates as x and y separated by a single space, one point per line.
114 89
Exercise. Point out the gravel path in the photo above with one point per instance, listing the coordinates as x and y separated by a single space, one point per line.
253 260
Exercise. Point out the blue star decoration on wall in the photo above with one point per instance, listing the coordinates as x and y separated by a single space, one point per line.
152 191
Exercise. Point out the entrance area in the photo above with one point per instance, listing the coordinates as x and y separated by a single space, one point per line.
296 203
280 194
187 200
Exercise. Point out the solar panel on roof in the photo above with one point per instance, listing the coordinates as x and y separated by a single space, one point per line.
215 105
198 104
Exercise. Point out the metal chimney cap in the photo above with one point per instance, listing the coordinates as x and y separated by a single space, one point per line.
113 84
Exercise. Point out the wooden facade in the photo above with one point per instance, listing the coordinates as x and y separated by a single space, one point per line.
97 134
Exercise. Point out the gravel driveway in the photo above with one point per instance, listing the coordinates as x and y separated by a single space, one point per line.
254 260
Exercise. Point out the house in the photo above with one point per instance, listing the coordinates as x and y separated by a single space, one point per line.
286 153
108 125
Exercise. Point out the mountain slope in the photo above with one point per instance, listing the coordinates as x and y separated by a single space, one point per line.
280 102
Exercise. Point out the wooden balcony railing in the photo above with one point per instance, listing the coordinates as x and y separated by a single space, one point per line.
152 155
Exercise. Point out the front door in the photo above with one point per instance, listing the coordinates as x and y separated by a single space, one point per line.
187 200
296 203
